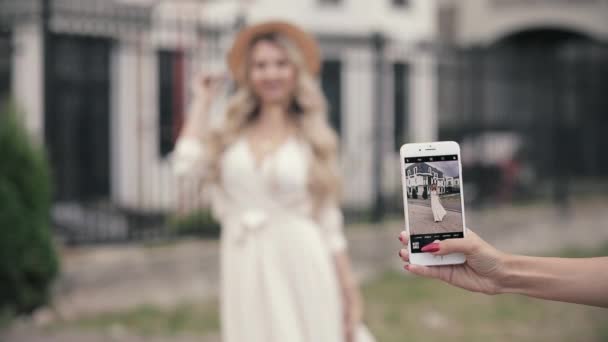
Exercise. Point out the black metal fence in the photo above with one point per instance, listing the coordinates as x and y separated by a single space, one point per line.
115 80
530 118
5 65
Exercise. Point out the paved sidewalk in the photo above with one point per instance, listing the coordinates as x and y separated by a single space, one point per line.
111 278
449 202
422 221
25 333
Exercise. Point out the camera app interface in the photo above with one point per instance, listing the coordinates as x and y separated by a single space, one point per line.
433 199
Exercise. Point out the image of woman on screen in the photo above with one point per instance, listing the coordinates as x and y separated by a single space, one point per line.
438 210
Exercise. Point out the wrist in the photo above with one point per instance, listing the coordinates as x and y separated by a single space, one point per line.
205 101
197 116
203 107
509 280
201 103
349 289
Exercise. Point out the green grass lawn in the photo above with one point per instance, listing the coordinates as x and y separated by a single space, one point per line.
192 318
407 308
400 307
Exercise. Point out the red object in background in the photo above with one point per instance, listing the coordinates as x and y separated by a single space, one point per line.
510 171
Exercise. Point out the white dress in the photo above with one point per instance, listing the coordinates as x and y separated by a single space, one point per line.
438 210
278 280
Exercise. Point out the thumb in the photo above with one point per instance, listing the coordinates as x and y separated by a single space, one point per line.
424 271
464 245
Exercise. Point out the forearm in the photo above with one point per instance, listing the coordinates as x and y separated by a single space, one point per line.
583 281
348 284
343 270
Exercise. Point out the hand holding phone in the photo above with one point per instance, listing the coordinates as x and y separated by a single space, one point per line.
483 271
431 175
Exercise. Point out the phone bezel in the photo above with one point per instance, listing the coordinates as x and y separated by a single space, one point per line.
422 150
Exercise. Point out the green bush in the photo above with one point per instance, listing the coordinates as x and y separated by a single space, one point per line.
198 222
28 261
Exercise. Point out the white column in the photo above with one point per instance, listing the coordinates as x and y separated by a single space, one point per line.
158 192
423 121
391 167
27 77
358 116
125 178
142 179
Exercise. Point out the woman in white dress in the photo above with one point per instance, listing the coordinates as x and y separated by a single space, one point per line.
272 170
438 210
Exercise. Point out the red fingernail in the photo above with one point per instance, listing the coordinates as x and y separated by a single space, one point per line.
431 248
400 238
400 253
407 267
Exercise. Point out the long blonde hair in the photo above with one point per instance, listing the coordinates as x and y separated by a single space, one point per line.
309 112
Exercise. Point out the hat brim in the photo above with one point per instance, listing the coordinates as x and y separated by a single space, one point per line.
305 43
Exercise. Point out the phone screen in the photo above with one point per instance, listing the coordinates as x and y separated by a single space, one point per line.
433 199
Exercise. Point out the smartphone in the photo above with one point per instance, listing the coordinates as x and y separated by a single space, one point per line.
433 202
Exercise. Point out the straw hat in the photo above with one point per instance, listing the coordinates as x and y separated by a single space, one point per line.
305 42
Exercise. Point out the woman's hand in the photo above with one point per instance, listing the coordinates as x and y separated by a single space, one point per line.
487 270
483 271
205 89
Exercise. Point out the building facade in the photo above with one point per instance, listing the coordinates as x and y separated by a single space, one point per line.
421 176
121 73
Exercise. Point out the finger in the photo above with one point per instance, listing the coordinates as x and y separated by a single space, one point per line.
423 271
404 254
404 238
210 80
467 245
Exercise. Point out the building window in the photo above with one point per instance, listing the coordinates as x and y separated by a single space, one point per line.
400 3
170 98
400 103
331 82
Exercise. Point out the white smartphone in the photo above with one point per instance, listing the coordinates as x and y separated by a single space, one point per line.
433 202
